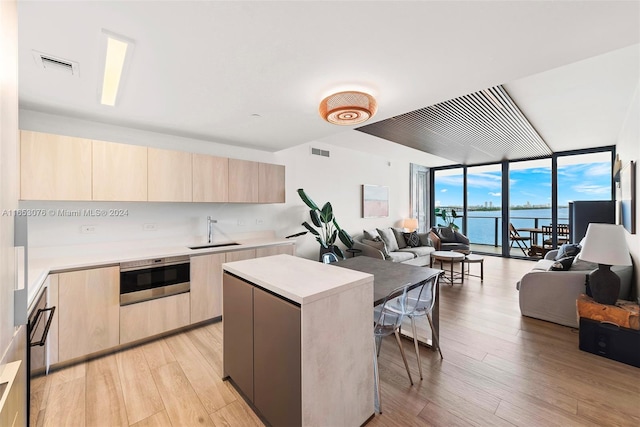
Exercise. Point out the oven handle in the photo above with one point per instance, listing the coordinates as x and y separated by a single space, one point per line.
43 338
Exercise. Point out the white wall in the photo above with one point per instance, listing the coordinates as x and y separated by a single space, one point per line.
8 166
628 147
337 179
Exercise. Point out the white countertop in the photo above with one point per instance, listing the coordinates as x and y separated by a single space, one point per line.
43 261
297 279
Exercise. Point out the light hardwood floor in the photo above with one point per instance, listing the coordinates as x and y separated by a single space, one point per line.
499 368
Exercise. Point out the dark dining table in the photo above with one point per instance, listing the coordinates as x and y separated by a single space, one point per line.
388 275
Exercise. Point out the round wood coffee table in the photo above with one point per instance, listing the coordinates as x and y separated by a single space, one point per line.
451 258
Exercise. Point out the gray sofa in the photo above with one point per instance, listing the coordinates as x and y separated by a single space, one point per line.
391 244
551 295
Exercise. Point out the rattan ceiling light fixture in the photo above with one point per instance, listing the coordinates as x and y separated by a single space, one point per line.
348 108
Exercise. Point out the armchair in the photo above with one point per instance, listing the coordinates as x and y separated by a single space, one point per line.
448 239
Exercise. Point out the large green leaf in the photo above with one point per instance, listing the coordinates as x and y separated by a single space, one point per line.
327 213
332 239
315 218
321 242
306 199
338 251
454 213
310 228
345 238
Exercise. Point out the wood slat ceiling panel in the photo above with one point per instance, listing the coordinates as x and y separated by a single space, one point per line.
482 127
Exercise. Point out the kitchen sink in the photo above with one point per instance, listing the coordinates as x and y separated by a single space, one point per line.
214 245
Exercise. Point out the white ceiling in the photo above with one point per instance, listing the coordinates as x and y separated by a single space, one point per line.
203 69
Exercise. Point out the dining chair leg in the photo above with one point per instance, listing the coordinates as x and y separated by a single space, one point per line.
404 358
415 343
436 341
376 379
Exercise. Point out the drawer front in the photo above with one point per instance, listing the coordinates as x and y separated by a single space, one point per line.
610 341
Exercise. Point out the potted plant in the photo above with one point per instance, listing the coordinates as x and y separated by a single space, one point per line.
328 229
448 217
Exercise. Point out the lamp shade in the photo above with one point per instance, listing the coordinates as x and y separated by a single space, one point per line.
605 244
348 108
410 223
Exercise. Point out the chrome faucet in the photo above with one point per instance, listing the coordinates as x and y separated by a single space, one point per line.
210 222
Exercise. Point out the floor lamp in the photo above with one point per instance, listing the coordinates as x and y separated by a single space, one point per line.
605 244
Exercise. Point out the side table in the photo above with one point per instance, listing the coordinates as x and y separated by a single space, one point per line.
474 259
449 257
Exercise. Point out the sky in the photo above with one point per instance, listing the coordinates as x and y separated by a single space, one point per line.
582 177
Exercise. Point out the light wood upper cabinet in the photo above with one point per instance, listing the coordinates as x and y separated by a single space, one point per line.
271 188
88 311
169 176
119 172
54 167
206 286
243 181
210 178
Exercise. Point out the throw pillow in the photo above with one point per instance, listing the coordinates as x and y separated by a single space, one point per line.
446 235
582 265
399 238
412 239
563 264
425 240
378 244
370 234
388 238
568 249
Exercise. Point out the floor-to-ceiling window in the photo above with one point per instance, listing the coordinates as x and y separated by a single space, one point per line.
449 196
538 192
484 206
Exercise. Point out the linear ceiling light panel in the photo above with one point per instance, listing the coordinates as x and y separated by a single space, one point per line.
118 49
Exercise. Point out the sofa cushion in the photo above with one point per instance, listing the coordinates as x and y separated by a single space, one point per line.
370 234
425 240
400 256
389 239
568 249
563 264
543 265
446 235
418 251
412 239
378 244
399 237
582 265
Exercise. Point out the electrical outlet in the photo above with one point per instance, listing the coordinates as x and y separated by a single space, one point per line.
259 221
150 227
88 229
241 223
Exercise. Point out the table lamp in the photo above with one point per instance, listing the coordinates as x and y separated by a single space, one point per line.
410 224
605 244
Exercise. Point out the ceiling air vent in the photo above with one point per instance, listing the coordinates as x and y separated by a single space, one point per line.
319 152
53 63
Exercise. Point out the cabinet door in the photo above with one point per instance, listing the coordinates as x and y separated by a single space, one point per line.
240 255
237 326
206 287
243 181
89 304
277 359
119 172
210 178
275 250
271 185
169 176
54 167
149 318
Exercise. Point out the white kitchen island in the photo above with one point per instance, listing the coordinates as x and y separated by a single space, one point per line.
298 340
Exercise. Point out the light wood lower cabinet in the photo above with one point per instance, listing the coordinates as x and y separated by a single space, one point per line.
88 311
262 352
240 255
275 250
206 286
148 318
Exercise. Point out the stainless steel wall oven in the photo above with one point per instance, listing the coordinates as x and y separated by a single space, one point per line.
153 278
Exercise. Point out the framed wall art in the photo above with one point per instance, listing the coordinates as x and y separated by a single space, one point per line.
375 201
628 197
